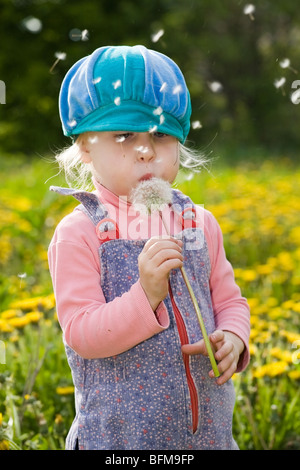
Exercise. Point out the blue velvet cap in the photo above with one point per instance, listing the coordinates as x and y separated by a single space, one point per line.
124 88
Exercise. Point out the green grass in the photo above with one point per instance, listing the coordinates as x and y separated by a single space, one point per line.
258 208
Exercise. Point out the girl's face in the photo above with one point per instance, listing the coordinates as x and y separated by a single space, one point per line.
120 160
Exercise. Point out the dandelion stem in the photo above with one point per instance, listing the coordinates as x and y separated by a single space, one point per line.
198 312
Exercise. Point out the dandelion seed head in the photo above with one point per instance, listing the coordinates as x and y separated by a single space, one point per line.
151 195
156 36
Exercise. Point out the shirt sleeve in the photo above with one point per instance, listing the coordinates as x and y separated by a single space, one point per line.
92 327
231 310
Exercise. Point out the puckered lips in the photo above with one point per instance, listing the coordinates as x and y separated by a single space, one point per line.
146 177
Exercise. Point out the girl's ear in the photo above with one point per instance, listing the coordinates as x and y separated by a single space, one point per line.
83 144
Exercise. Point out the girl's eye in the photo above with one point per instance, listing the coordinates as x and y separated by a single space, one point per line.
122 137
160 135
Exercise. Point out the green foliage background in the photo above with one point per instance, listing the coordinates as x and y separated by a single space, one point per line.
209 39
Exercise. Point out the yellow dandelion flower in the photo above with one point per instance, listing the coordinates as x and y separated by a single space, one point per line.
4 445
294 374
33 317
48 302
5 327
271 370
296 306
27 304
290 336
252 349
6 314
284 355
65 390
18 322
248 275
253 302
58 419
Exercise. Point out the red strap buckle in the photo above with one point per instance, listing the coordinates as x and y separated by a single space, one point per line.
106 230
188 218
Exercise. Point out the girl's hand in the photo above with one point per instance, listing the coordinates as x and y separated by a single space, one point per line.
159 256
228 347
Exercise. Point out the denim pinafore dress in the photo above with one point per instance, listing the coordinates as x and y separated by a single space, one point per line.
151 396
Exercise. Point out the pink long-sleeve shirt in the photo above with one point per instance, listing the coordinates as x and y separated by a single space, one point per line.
95 328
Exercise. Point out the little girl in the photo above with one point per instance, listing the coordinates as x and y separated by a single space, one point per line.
139 363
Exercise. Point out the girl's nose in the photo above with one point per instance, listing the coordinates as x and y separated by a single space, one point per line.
145 149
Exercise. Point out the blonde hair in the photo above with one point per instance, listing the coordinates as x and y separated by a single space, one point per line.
78 174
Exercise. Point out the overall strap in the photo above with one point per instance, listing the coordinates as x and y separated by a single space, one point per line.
90 204
106 228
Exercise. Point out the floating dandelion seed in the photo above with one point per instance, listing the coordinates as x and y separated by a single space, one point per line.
117 84
153 129
249 9
59 56
93 139
279 83
120 139
85 35
215 87
97 80
196 125
286 64
177 89
32 24
156 36
72 123
22 276
161 119
163 87
77 35
117 101
158 111
151 196
142 149
190 176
